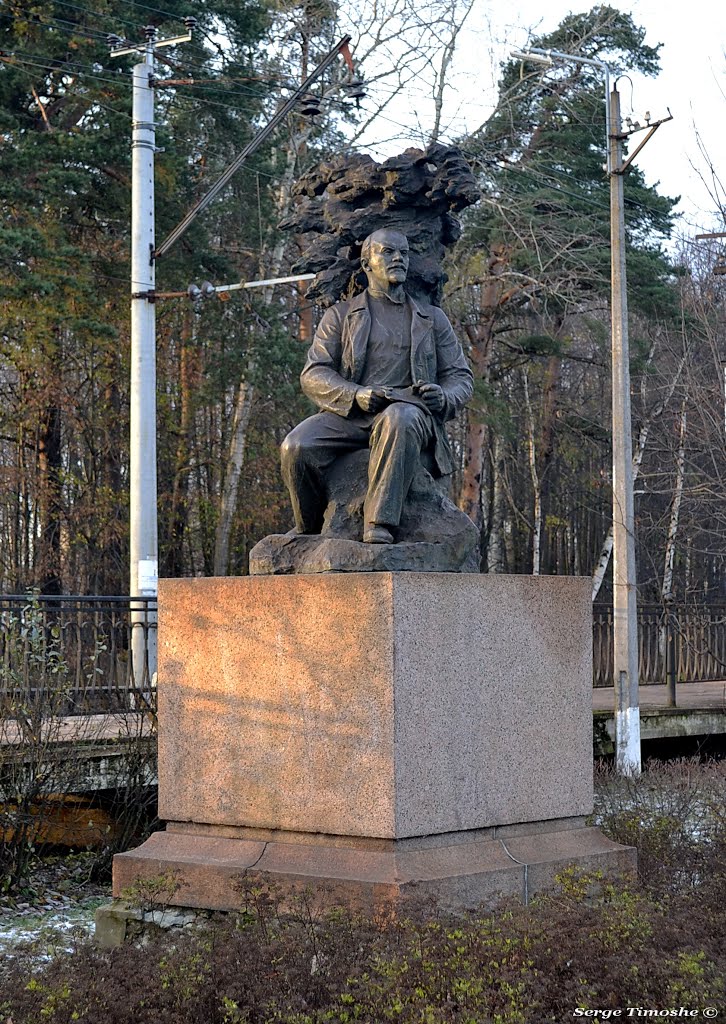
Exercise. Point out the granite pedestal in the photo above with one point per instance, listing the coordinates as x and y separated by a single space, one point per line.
375 734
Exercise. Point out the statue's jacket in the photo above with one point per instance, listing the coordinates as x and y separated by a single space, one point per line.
336 361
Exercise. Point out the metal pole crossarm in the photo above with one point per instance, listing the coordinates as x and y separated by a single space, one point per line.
174 41
152 295
221 289
159 83
141 47
250 148
560 55
653 129
263 284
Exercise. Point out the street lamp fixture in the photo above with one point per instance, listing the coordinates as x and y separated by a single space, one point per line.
532 57
536 55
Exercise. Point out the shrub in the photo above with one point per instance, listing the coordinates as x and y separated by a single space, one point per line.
673 813
43 752
317 964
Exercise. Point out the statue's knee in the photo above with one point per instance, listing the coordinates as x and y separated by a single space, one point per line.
291 450
401 416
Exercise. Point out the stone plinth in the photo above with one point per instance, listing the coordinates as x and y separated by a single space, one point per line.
374 731
459 871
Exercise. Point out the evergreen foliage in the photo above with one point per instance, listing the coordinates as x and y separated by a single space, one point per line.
64 252
538 252
529 286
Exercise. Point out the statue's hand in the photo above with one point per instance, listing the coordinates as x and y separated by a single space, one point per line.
370 399
433 396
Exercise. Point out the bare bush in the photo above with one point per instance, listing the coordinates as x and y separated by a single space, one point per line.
673 814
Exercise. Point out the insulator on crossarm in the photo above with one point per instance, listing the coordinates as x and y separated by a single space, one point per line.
355 90
310 105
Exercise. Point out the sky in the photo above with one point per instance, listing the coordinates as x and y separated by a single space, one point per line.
692 85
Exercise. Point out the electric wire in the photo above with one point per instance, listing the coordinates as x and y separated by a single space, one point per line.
185 63
73 28
97 15
69 27
532 173
75 68
89 71
93 101
21 64
155 10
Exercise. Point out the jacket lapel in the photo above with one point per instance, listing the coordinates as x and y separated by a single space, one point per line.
421 324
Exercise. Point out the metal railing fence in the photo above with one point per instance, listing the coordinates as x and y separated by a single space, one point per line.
74 653
77 650
681 644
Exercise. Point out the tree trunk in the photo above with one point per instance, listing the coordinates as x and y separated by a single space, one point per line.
245 392
447 56
670 551
179 513
605 552
470 500
109 576
48 565
496 548
481 339
536 488
547 463
235 461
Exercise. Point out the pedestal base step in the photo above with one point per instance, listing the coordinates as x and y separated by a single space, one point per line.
456 872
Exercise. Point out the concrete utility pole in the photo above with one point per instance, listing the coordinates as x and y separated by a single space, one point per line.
143 539
143 534
625 613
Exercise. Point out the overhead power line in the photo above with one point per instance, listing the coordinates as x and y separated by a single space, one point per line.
261 136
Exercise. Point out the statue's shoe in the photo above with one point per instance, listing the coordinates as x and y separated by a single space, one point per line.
374 534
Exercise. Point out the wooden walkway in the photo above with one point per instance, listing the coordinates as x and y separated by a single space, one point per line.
90 750
688 695
101 740
700 712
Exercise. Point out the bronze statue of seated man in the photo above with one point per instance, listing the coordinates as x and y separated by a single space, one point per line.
387 373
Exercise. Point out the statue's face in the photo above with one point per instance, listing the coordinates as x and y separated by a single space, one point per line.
387 263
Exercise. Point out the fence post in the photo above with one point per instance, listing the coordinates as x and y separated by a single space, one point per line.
671 656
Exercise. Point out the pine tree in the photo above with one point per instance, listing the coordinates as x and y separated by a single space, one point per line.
65 119
539 249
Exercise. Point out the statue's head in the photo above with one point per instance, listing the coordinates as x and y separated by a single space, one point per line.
384 258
